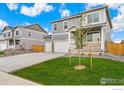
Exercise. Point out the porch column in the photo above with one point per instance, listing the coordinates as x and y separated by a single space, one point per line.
69 39
14 43
102 38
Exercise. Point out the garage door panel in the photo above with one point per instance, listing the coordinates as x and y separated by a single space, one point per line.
3 45
61 46
48 47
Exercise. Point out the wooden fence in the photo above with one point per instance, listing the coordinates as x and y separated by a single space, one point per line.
38 48
115 48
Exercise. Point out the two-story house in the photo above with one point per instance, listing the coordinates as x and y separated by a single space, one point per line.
22 37
99 22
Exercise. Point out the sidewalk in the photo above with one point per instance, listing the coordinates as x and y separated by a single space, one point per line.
110 56
7 79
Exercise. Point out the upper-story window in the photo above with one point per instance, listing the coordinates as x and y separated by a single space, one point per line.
8 34
4 34
65 25
55 27
17 33
93 17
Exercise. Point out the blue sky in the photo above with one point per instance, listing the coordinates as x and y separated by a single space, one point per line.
43 14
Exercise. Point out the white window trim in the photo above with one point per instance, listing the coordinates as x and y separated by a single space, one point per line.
20 32
67 25
93 41
10 34
7 33
56 26
5 36
92 22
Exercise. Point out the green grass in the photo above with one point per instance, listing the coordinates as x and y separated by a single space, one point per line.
2 53
58 72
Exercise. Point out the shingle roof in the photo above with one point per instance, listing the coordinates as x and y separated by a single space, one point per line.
36 27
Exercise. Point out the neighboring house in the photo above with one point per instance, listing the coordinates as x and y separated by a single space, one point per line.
22 37
99 22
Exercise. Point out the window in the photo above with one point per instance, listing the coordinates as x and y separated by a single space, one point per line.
17 42
89 17
93 36
89 37
96 36
8 34
29 34
92 18
17 33
4 35
96 17
11 42
55 27
65 25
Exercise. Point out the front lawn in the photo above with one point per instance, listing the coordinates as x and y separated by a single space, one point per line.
2 53
58 72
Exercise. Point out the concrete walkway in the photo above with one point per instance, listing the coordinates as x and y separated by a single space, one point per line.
113 57
12 63
110 56
7 79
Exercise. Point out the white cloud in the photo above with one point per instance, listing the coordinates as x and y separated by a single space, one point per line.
12 6
26 24
118 21
46 29
35 10
92 5
113 6
112 35
3 24
63 11
110 5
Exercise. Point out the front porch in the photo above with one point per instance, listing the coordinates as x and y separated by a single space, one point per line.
93 41
14 44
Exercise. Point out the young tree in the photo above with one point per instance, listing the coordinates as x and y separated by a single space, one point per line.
79 34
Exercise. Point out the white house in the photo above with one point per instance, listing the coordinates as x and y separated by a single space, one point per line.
22 37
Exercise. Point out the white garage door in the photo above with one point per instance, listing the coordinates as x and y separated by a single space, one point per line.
61 46
48 47
3 45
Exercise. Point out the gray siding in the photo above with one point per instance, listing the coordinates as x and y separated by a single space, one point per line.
71 22
76 21
34 34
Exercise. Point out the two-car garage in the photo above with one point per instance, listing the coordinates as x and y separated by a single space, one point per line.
3 45
60 43
57 46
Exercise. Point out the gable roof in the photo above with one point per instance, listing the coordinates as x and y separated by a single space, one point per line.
7 28
36 27
91 10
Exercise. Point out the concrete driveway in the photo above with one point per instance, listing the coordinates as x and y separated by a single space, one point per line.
12 63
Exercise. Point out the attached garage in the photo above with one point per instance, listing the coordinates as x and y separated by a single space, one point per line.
61 46
48 46
3 45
